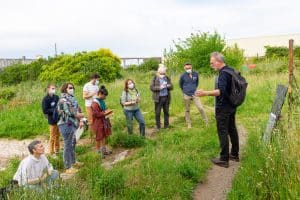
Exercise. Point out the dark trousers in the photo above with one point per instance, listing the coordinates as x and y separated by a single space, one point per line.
162 104
225 118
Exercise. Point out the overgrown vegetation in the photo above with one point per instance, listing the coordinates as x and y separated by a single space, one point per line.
78 67
75 68
196 50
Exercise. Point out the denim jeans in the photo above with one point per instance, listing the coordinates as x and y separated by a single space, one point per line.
225 118
49 181
67 131
138 116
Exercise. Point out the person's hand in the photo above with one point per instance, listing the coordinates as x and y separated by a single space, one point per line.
81 124
200 93
168 85
79 115
162 87
44 177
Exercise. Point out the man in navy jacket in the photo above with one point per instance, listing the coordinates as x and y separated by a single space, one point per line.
188 83
225 112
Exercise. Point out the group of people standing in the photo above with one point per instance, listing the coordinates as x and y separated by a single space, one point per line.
65 116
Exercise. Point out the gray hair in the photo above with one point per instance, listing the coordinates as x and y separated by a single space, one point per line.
218 56
32 145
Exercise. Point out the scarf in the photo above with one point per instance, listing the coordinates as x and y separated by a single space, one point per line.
101 103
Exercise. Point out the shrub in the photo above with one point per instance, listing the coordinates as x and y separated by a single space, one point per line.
78 67
150 64
234 56
195 49
7 93
17 73
276 51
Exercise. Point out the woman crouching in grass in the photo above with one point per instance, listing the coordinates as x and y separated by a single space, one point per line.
101 124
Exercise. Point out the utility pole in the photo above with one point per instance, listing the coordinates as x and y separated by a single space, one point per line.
55 48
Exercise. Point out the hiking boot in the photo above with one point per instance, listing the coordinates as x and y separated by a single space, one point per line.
220 163
71 171
234 158
108 152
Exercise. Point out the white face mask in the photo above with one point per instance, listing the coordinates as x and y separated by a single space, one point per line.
52 91
188 71
97 82
70 91
131 86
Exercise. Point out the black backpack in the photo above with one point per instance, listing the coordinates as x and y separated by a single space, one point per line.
238 88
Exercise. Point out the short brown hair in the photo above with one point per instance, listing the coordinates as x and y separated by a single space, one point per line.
94 76
64 87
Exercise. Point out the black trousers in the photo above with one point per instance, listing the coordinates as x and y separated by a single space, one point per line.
225 118
162 104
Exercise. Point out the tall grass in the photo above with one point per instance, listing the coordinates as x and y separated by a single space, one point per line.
268 171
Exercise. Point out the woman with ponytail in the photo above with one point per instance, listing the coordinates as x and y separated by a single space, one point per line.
101 125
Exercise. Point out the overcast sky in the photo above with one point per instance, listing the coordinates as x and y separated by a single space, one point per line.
133 27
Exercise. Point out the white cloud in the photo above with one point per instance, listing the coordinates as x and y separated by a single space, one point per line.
132 28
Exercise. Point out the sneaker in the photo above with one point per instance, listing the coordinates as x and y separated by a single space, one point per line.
108 152
101 153
77 164
71 171
220 163
234 158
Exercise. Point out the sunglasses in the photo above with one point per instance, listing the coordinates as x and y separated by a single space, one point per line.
70 88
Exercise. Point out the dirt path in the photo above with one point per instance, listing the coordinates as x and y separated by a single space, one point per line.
218 181
10 148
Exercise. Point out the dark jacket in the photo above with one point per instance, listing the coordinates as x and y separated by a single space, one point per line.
224 85
155 88
49 103
187 84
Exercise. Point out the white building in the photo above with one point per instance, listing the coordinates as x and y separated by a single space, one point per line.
254 46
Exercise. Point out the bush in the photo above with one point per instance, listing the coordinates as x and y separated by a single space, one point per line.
17 73
234 56
7 93
196 49
276 51
78 67
150 64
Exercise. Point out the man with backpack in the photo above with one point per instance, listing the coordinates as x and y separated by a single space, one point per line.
230 91
49 106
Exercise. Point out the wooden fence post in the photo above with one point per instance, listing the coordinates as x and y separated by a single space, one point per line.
291 79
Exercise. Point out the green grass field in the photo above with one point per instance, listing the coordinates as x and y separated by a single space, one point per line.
171 164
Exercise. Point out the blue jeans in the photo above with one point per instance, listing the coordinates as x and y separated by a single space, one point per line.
138 116
67 132
49 181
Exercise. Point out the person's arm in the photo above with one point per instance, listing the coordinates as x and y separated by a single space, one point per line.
45 107
88 95
197 81
125 101
96 111
153 87
202 93
169 85
181 82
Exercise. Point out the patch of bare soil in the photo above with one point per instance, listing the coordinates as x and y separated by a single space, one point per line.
219 179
